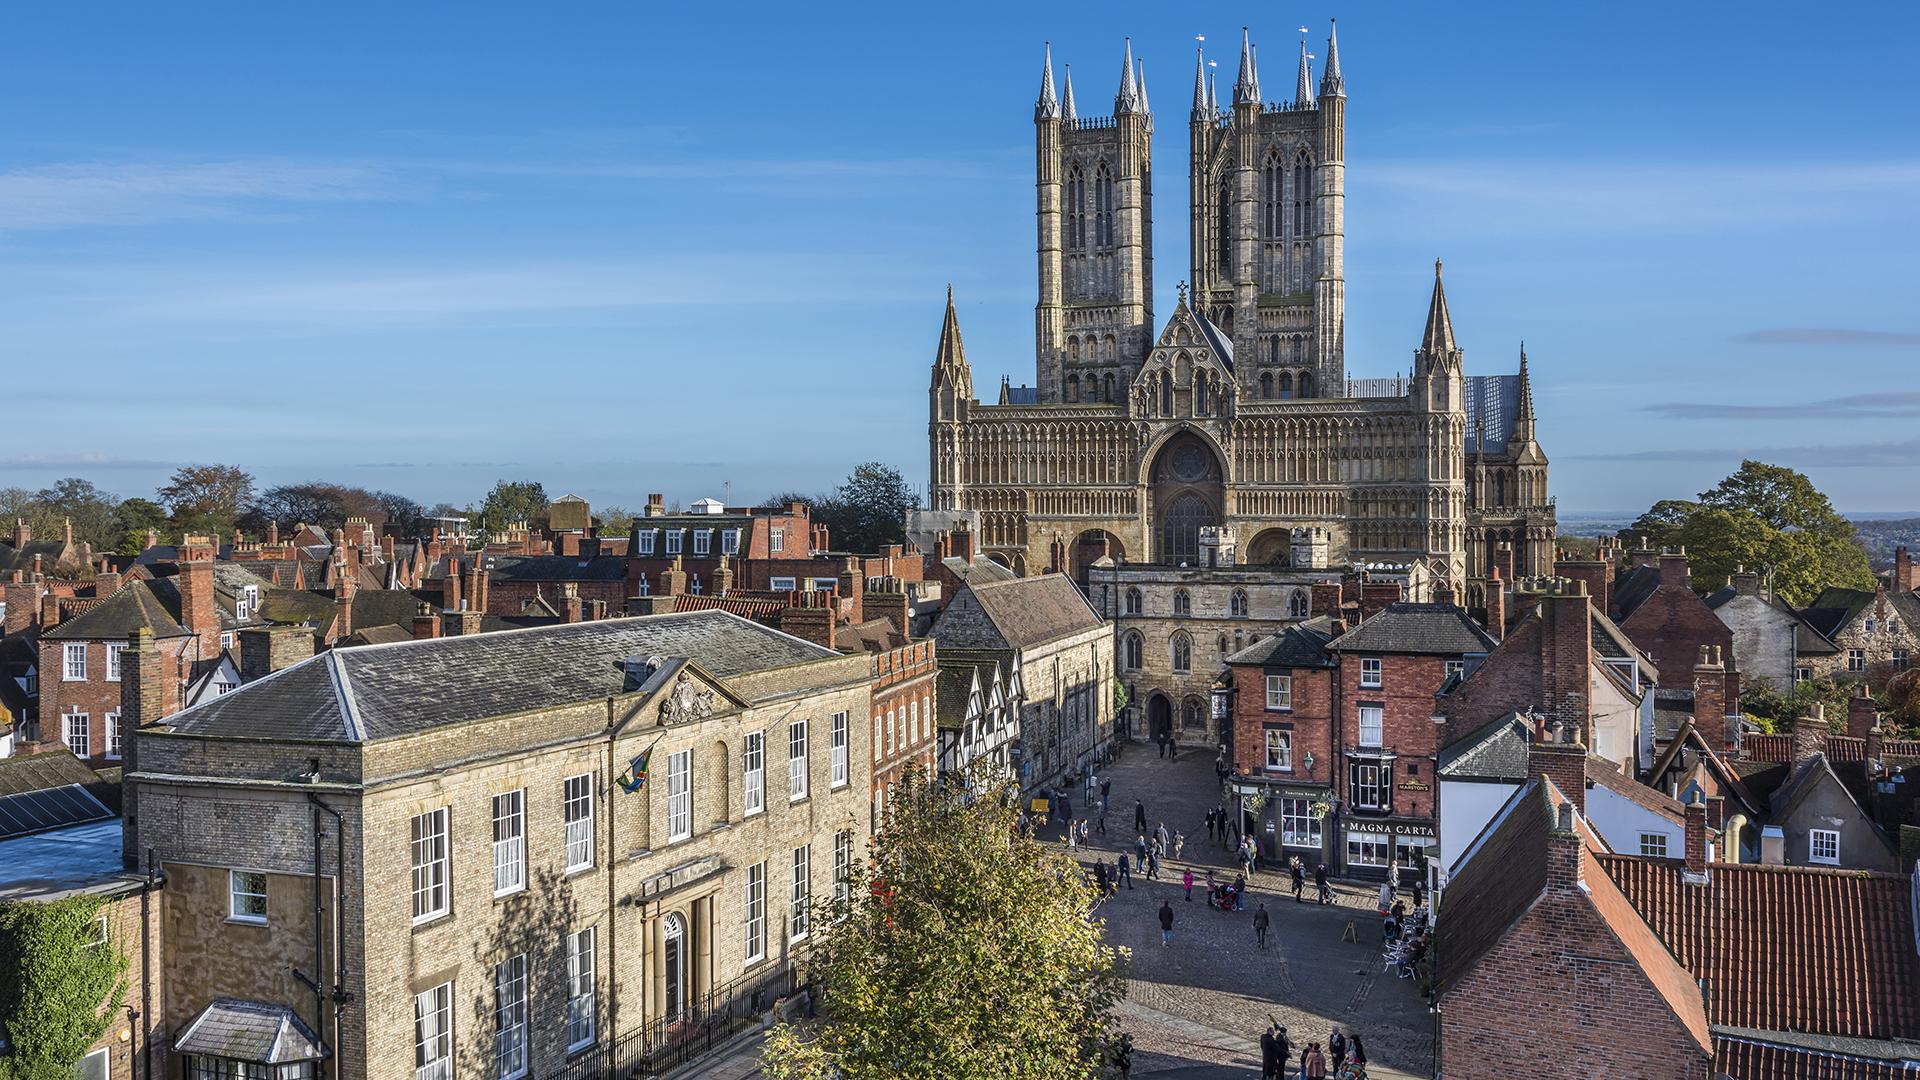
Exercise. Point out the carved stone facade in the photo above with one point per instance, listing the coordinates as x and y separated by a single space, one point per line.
1238 411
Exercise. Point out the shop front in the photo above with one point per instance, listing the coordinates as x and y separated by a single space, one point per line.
1288 819
1373 846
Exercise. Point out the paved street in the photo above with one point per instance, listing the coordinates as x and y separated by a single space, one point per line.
1196 1009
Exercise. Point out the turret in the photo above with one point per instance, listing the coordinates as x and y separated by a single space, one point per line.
1127 99
1438 395
1331 83
1303 87
1246 87
1048 107
1202 106
1049 312
1066 104
1330 223
950 402
1439 353
1140 83
1523 419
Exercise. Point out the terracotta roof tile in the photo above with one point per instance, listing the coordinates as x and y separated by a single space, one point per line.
1750 1059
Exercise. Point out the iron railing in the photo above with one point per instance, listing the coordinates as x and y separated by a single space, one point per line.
707 1022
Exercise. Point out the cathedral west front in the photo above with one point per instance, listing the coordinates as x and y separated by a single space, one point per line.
1237 410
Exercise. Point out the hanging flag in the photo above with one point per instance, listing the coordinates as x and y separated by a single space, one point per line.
636 775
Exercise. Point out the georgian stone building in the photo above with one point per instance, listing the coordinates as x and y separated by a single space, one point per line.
1237 410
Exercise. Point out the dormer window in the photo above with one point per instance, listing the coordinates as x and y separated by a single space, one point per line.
675 538
645 542
729 541
702 541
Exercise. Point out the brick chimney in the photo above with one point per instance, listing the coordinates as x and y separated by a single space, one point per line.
23 603
1496 606
810 623
1673 568
571 609
1860 715
479 587
426 623
963 542
343 609
1642 554
1903 577
1557 753
152 540
1810 733
723 576
1563 851
1709 691
1326 598
890 602
106 583
1443 593
1566 645
199 610
459 623
273 534
22 533
143 684
673 580
266 649
656 505
1746 582
1503 560
853 583
1697 835
1595 572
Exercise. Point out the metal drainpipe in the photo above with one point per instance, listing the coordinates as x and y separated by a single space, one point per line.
319 921
613 982
341 996
146 968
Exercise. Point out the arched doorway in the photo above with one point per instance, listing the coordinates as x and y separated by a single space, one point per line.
1159 717
1193 716
1273 547
674 957
1189 494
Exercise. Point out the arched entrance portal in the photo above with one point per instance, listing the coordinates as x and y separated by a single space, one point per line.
1189 494
1159 717
1274 547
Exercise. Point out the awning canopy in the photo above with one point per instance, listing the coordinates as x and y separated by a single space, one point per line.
250 1031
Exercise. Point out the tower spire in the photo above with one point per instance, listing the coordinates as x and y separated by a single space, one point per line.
1048 107
1523 409
1246 88
1213 91
1200 82
1303 89
1439 336
1331 84
1127 99
1066 98
952 354
1140 82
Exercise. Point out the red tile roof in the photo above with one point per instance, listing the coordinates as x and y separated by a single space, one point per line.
1828 952
745 608
1757 1060
1778 749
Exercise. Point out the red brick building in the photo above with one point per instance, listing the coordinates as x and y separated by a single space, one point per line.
1286 750
1656 607
904 720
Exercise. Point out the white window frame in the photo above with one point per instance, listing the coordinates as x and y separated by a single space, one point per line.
1856 659
843 864
582 1019
1280 693
1376 787
432 865
1281 740
1802 674
756 912
111 724
1370 672
1372 734
1653 845
676 539
730 541
645 541
1360 843
777 539
510 1027
1298 826
1829 839
576 794
783 584
838 742
114 649
73 662
754 769
76 731
823 584
797 779
510 842
798 915
1456 667
703 541
433 1033
98 1063
1902 659
679 796
242 898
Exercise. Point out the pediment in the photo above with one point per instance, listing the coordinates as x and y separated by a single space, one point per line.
679 691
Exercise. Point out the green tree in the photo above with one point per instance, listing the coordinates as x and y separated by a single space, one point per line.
1777 709
868 510
965 952
403 513
614 521
131 520
63 986
78 501
511 501
1655 528
207 498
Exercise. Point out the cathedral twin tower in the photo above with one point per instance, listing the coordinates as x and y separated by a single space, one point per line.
1267 193
1233 418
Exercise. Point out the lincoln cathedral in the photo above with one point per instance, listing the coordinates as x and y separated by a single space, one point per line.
1237 410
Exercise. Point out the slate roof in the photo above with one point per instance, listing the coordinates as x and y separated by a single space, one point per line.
1022 613
557 568
1217 339
1300 645
873 636
1834 608
136 605
1497 751
249 1031
1632 590
1826 952
978 569
21 558
38 772
372 692
1425 629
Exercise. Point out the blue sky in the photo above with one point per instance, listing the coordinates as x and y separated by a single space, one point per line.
623 248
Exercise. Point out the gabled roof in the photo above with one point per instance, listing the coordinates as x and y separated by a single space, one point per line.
1607 774
1835 608
1632 589
1303 644
1688 738
1424 629
1826 952
1495 751
371 692
250 1031
1019 614
977 570
135 606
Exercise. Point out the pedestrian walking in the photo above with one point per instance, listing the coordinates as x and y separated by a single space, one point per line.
1313 1066
1320 882
1106 790
1101 822
1140 848
1139 816
1269 1057
1173 749
1166 923
1299 879
1160 743
1261 920
1357 1051
1162 835
1126 871
1210 820
1100 877
1179 841
1123 1056
1085 830
1337 1048
1186 881
1282 1047
1153 866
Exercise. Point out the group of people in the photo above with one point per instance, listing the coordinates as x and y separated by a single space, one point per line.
1347 1055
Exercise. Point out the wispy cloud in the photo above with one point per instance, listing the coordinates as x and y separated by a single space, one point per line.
1528 194
1891 454
68 195
1853 406
1823 335
80 461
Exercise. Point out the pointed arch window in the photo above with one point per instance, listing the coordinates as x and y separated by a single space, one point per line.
1302 189
1181 650
1133 601
1273 202
1238 604
1076 208
1106 392
1132 652
1166 396
1182 602
1306 384
1199 393
1297 604
1103 206
1266 384
1225 253
1273 349
1286 384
